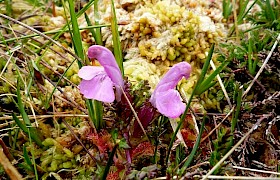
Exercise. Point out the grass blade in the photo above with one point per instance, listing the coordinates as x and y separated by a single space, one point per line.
98 39
47 103
110 161
94 107
236 115
76 36
91 29
21 106
227 8
50 32
206 65
203 72
116 39
23 127
190 158
241 16
250 55
63 29
26 157
27 124
207 83
269 11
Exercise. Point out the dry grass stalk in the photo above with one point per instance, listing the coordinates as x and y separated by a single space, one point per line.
8 167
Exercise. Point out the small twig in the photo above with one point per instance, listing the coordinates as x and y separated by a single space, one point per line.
73 133
221 84
6 150
70 101
239 177
198 165
179 135
215 125
135 114
28 16
228 114
256 170
8 167
255 126
36 40
257 82
41 34
6 65
46 116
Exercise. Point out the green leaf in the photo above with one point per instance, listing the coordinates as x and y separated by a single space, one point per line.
116 39
34 136
269 11
96 22
26 157
195 148
95 108
21 106
202 75
227 8
76 36
123 144
207 83
109 163
250 55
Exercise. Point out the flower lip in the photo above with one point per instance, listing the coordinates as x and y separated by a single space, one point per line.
165 98
89 72
99 88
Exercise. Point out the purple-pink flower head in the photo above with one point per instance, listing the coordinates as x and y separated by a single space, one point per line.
165 98
98 81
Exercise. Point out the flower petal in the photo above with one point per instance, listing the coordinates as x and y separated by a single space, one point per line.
173 76
108 61
99 88
88 72
167 83
169 103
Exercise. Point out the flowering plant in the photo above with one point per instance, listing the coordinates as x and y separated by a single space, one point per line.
97 82
165 98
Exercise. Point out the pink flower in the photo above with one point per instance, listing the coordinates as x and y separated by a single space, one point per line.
98 81
165 98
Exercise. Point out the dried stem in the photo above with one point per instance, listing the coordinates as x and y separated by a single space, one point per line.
41 34
255 126
8 167
221 84
135 114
